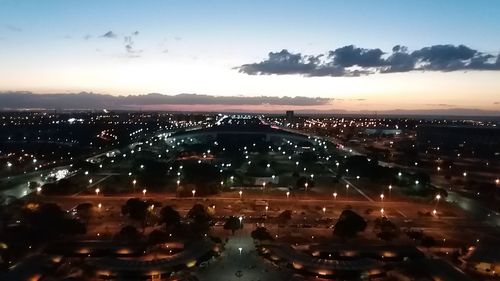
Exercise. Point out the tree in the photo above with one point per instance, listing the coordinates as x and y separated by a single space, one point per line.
233 223
169 216
129 234
85 211
137 210
427 241
284 216
349 224
157 237
200 217
261 234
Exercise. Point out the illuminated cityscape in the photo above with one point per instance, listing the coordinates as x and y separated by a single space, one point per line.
128 153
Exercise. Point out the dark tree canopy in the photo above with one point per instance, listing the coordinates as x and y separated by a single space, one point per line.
349 224
261 233
157 237
169 216
129 234
136 209
284 216
233 223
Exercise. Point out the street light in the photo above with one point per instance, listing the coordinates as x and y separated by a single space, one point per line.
434 212
287 194
241 193
382 197
390 190
144 192
324 211
97 190
346 191
306 185
193 191
90 181
178 183
38 190
267 208
335 195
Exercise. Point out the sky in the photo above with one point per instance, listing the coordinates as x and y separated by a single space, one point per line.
343 51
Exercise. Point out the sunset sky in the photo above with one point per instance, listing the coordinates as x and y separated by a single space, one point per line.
223 48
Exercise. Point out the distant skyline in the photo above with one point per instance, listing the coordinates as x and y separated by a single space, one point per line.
414 56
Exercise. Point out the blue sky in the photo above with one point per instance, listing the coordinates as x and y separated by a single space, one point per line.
193 46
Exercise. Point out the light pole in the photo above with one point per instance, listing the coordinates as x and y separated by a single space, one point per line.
193 192
287 194
382 198
241 193
97 190
390 191
347 191
335 196
144 192
267 208
324 211
134 182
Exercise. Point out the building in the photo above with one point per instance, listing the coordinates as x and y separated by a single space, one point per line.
290 116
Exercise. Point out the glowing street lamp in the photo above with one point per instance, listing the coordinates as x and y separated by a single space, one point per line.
193 192
324 210
312 176
390 190
241 219
97 190
306 185
267 208
464 174
144 192
287 194
241 193
335 195
382 197
264 185
178 183
434 212
90 181
38 190
99 206
382 211
346 191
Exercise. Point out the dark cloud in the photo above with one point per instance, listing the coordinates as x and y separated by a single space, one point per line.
129 43
282 62
353 61
110 34
350 55
19 100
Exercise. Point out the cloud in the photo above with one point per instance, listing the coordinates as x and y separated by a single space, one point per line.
110 34
353 61
18 100
129 43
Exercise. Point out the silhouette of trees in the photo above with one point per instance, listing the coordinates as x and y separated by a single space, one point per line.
233 223
349 224
261 234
